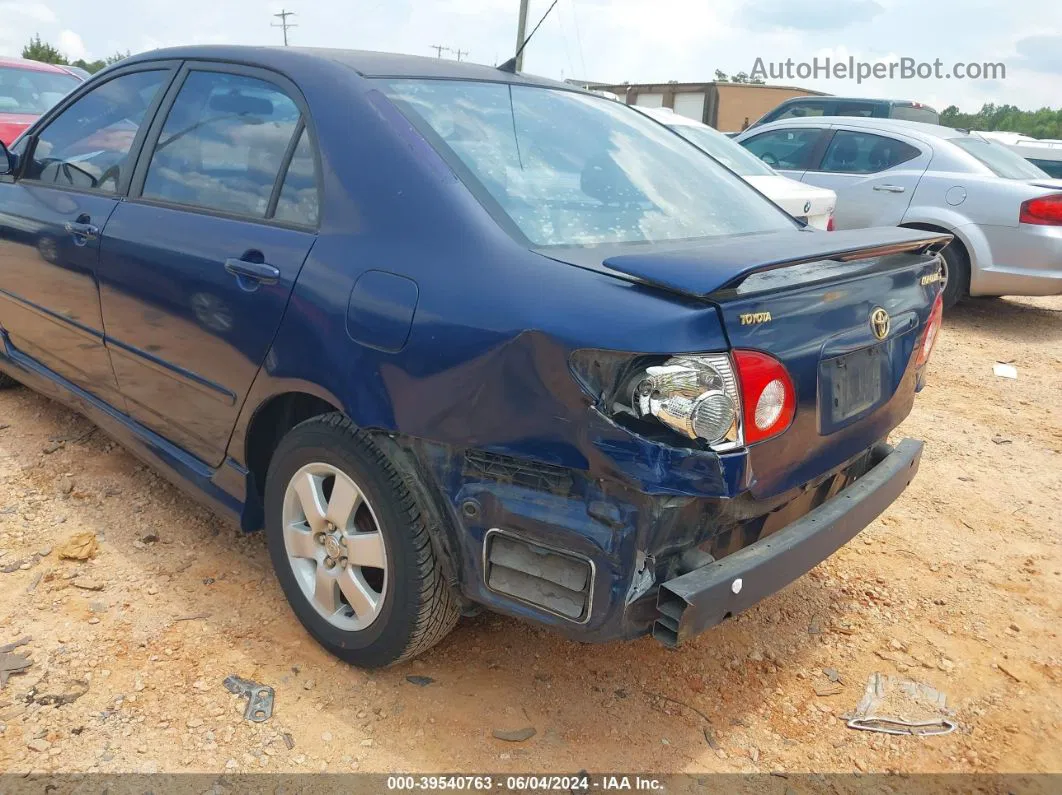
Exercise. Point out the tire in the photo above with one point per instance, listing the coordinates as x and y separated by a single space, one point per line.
409 605
957 270
7 382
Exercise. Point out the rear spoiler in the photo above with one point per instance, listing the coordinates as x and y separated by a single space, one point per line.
705 269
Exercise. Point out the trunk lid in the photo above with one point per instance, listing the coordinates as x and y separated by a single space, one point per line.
855 378
808 299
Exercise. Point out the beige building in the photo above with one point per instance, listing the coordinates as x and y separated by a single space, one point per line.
725 106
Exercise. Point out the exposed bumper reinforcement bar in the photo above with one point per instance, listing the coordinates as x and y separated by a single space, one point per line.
693 602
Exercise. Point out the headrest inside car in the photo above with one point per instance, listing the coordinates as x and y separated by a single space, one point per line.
241 104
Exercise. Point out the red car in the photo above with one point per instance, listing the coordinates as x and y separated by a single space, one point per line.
28 89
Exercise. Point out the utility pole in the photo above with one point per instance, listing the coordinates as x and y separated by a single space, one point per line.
283 15
439 49
459 52
521 30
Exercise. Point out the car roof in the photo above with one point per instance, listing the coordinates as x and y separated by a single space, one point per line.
33 66
364 62
852 99
916 129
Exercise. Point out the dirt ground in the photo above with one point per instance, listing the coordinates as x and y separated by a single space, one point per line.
958 585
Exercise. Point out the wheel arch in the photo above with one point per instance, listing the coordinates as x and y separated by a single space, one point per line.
258 433
968 234
278 413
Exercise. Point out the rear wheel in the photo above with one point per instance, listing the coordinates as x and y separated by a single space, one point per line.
350 548
6 381
955 273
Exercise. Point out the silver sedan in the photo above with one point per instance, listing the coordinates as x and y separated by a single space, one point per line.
1005 213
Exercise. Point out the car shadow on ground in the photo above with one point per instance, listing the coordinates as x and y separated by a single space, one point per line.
1008 319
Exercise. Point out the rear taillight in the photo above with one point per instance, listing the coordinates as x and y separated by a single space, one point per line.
929 336
1044 211
829 225
768 398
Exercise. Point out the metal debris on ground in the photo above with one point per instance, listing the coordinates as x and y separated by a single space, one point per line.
419 681
12 664
901 706
1004 370
259 697
15 644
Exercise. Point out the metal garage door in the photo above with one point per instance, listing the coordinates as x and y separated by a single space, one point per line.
690 105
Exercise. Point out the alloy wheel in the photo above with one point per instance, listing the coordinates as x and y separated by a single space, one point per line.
335 546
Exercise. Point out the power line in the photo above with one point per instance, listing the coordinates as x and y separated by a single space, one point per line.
283 15
441 48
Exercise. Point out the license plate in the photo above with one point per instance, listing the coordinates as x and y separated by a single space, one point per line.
855 383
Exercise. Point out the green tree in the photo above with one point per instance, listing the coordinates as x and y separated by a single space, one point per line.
38 50
1041 123
721 76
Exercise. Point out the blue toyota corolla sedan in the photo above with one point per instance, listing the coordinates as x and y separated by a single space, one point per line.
456 337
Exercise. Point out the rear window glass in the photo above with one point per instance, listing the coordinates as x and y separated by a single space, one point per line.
911 113
569 168
998 159
726 150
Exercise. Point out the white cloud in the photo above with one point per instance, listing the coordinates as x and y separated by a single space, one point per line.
607 40
70 45
37 12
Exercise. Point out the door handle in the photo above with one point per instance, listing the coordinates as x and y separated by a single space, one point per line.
82 230
261 272
890 188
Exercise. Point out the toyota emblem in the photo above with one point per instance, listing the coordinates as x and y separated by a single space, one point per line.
880 322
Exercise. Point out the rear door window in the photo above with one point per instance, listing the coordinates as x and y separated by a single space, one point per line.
791 149
297 203
223 144
864 153
863 109
801 110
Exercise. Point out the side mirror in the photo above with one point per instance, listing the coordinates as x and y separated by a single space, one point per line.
7 160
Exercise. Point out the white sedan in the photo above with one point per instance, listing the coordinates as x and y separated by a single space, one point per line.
807 203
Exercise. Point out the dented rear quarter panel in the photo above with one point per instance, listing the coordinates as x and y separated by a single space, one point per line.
485 364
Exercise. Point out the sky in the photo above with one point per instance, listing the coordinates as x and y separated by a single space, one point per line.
609 41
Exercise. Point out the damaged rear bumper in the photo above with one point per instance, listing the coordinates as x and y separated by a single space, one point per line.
694 602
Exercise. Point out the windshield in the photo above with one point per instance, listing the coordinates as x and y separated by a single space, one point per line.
998 159
30 91
574 169
727 151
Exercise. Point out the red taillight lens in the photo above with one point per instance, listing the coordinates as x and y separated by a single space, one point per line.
929 336
1044 211
768 399
829 225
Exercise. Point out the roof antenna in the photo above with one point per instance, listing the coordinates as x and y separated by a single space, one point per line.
510 65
